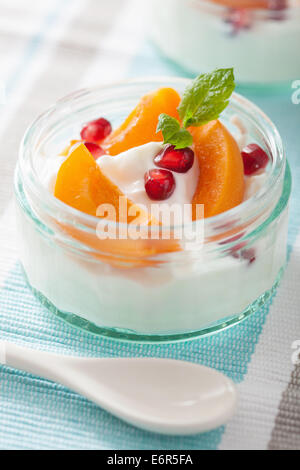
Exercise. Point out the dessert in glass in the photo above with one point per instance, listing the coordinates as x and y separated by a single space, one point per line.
259 38
90 183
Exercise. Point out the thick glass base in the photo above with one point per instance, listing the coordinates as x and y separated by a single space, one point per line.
133 336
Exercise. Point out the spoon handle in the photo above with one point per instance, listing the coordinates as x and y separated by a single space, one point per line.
13 356
34 362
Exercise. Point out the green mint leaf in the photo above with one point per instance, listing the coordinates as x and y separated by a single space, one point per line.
206 97
168 125
172 133
181 139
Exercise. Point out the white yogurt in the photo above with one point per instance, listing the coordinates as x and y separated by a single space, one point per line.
177 296
127 171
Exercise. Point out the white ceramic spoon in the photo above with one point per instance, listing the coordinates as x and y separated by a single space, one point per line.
160 395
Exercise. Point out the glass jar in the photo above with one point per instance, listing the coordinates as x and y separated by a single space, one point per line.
116 292
201 35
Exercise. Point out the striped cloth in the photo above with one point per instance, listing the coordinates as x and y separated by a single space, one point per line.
48 49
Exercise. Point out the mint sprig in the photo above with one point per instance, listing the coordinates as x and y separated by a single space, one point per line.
173 133
206 97
203 101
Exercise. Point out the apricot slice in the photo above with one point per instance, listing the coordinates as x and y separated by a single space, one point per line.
67 150
221 178
140 126
81 184
240 4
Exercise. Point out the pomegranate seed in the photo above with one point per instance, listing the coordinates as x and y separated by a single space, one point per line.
277 4
96 131
239 19
277 8
159 184
255 159
249 255
237 248
95 149
179 160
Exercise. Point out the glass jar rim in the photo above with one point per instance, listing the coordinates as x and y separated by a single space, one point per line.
264 196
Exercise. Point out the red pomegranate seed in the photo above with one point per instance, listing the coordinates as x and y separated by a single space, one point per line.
179 160
255 159
239 19
277 8
95 149
249 255
277 4
159 184
95 131
235 249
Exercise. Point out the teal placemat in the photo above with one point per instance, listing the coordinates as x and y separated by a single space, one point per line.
38 414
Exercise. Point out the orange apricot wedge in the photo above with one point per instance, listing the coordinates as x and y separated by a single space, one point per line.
67 150
221 178
140 126
81 184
